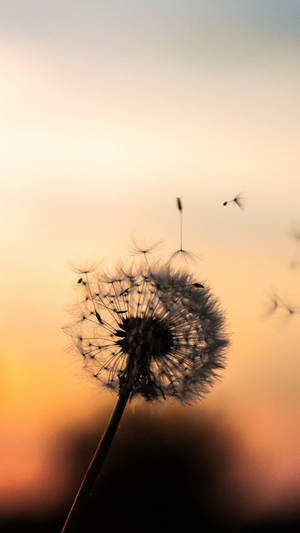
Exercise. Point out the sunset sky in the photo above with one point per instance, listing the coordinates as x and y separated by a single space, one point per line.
109 111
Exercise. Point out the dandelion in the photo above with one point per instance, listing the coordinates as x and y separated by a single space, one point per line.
155 334
158 330
237 200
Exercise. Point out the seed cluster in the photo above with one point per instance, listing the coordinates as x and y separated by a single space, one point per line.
156 331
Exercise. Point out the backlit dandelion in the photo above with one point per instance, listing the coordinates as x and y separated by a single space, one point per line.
155 333
158 333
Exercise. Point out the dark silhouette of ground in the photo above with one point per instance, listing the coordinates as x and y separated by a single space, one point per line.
162 475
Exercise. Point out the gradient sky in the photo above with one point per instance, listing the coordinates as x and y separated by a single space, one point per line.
109 111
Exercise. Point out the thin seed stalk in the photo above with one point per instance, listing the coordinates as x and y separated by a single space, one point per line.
95 467
180 214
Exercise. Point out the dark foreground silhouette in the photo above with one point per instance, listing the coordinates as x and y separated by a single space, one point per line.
163 474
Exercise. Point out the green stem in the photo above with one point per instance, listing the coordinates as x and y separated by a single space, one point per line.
81 499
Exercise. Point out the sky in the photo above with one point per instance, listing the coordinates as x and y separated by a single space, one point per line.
109 111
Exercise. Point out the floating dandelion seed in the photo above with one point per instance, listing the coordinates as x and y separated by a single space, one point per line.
295 233
274 303
181 252
157 334
290 309
277 303
293 264
238 200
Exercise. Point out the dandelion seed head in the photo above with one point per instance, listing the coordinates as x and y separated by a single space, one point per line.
160 332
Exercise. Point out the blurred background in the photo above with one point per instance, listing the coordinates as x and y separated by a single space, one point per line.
109 111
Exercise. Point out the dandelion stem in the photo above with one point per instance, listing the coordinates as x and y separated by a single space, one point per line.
72 523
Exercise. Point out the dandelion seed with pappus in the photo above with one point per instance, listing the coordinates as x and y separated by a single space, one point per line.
154 333
237 200
181 252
